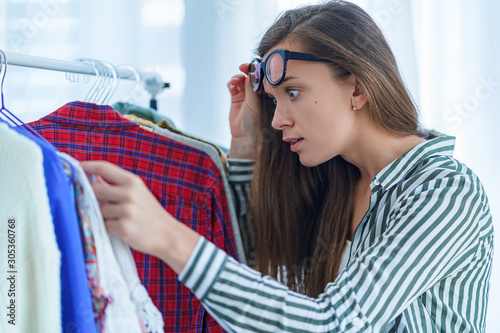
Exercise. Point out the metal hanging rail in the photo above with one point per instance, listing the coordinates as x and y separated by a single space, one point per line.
151 80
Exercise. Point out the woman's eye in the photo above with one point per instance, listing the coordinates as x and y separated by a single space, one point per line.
273 100
293 93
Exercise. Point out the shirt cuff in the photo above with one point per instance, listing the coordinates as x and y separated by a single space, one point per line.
239 170
203 267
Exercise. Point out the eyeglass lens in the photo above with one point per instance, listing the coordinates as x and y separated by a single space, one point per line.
274 68
254 72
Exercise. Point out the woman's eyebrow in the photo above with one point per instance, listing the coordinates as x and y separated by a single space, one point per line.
288 78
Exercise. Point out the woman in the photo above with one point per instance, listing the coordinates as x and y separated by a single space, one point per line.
352 203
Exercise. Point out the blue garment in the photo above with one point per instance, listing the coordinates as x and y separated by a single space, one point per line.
76 305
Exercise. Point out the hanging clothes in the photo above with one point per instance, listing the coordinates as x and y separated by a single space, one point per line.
214 154
119 315
76 303
100 299
150 317
236 176
222 150
152 118
183 179
147 124
143 113
30 285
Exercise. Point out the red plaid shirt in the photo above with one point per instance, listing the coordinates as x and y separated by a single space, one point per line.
183 179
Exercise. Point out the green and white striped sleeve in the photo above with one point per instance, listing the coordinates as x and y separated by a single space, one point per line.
239 174
242 300
433 232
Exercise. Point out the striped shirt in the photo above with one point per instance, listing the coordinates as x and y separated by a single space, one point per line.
239 175
421 261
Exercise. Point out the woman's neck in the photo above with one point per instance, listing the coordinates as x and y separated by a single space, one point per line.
375 149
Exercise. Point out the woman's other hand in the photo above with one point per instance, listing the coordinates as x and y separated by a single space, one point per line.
244 116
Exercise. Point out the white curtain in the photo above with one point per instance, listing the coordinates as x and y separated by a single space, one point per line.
448 53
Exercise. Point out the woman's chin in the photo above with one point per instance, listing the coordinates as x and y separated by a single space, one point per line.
308 162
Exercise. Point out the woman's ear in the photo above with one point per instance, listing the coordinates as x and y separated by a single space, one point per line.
359 97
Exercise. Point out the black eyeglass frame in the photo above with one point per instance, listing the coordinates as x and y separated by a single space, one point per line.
285 56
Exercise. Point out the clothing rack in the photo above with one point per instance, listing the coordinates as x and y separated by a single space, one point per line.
152 81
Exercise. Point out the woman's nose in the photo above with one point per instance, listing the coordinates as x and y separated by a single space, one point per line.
280 118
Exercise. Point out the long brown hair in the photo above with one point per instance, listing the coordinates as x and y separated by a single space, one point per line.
302 216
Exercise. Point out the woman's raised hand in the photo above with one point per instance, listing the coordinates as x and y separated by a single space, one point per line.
244 116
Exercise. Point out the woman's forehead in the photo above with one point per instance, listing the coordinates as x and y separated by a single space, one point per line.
284 45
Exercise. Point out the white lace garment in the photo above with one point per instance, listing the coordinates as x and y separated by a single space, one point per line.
117 273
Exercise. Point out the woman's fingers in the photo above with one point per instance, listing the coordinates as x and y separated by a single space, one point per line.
234 89
117 228
123 180
236 84
237 78
108 193
114 211
108 171
244 68
252 98
120 222
130 211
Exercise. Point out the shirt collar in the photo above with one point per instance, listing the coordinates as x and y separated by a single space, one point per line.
392 174
90 115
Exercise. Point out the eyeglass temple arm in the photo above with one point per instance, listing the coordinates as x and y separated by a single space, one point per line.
304 56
